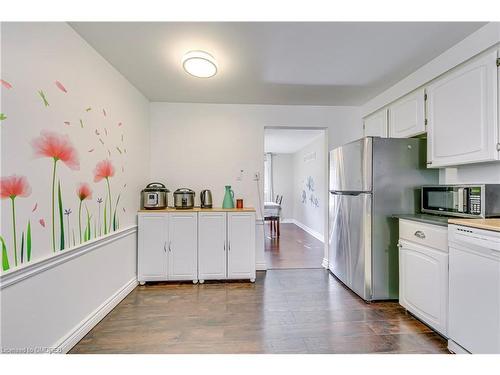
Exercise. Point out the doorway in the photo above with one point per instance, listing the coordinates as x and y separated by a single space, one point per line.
295 197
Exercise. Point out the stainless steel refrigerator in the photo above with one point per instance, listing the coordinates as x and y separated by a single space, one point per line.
371 180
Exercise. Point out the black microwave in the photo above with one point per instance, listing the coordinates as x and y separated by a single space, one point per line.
476 201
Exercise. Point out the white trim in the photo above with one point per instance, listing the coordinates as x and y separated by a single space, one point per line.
261 266
51 261
287 221
325 264
455 348
84 327
312 232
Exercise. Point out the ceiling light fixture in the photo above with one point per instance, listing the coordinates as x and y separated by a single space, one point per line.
199 64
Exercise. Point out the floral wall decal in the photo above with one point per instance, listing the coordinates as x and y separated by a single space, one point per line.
83 192
104 170
44 98
58 147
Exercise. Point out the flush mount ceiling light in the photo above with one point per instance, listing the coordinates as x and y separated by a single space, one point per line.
199 64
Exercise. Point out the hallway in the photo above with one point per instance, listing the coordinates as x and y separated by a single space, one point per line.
285 311
295 248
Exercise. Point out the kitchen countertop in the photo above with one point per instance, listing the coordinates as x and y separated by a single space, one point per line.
488 224
425 218
199 209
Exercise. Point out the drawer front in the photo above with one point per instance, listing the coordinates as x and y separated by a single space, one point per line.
434 236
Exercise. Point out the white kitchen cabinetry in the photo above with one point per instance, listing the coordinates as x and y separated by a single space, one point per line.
423 273
212 246
152 244
462 113
407 115
241 246
196 245
376 124
183 246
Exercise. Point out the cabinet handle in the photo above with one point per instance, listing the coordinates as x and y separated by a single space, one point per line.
165 247
420 234
229 245
224 246
170 246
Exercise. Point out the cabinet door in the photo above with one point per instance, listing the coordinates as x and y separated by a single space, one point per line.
183 246
462 114
423 284
376 124
241 245
211 245
152 247
407 115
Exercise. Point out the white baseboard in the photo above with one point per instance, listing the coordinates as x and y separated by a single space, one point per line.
325 264
287 221
455 348
312 232
95 317
261 266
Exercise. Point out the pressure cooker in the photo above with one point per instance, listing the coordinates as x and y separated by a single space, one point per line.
184 198
154 196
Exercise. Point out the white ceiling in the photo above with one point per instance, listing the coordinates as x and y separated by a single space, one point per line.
321 63
288 141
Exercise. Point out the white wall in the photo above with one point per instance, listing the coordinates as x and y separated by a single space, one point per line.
206 145
310 163
283 183
40 309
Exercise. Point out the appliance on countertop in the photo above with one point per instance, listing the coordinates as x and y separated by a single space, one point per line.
474 290
371 180
184 198
206 199
474 201
154 196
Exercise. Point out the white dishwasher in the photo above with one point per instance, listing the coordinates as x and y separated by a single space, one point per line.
474 290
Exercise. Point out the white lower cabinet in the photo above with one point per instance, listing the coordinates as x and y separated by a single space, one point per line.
183 246
241 246
212 246
197 246
423 275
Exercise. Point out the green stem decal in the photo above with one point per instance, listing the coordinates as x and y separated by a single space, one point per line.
53 203
105 216
14 228
110 203
80 220
115 222
87 230
22 247
28 242
61 217
5 258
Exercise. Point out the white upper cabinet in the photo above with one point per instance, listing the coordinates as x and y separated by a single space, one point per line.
183 246
211 245
241 245
407 115
152 239
462 113
376 124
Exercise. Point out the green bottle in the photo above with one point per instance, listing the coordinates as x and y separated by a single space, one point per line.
228 198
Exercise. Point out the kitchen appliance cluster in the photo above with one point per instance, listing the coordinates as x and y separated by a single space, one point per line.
155 197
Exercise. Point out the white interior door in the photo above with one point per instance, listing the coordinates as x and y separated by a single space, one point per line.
183 246
212 246
152 247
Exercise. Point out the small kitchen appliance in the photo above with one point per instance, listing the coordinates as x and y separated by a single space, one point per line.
206 199
154 196
474 201
184 198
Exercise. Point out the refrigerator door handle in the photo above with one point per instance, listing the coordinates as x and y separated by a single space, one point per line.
353 193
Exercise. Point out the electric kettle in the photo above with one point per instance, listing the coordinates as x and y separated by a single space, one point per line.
206 199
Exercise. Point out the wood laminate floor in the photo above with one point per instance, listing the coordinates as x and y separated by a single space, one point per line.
285 311
295 248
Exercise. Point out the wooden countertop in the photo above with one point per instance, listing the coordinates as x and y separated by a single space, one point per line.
488 224
199 209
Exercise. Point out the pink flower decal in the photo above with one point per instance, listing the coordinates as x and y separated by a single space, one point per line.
42 222
120 124
67 123
14 186
61 87
35 207
103 169
58 147
84 191
5 84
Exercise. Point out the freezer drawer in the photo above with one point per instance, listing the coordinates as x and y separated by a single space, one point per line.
351 166
350 241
